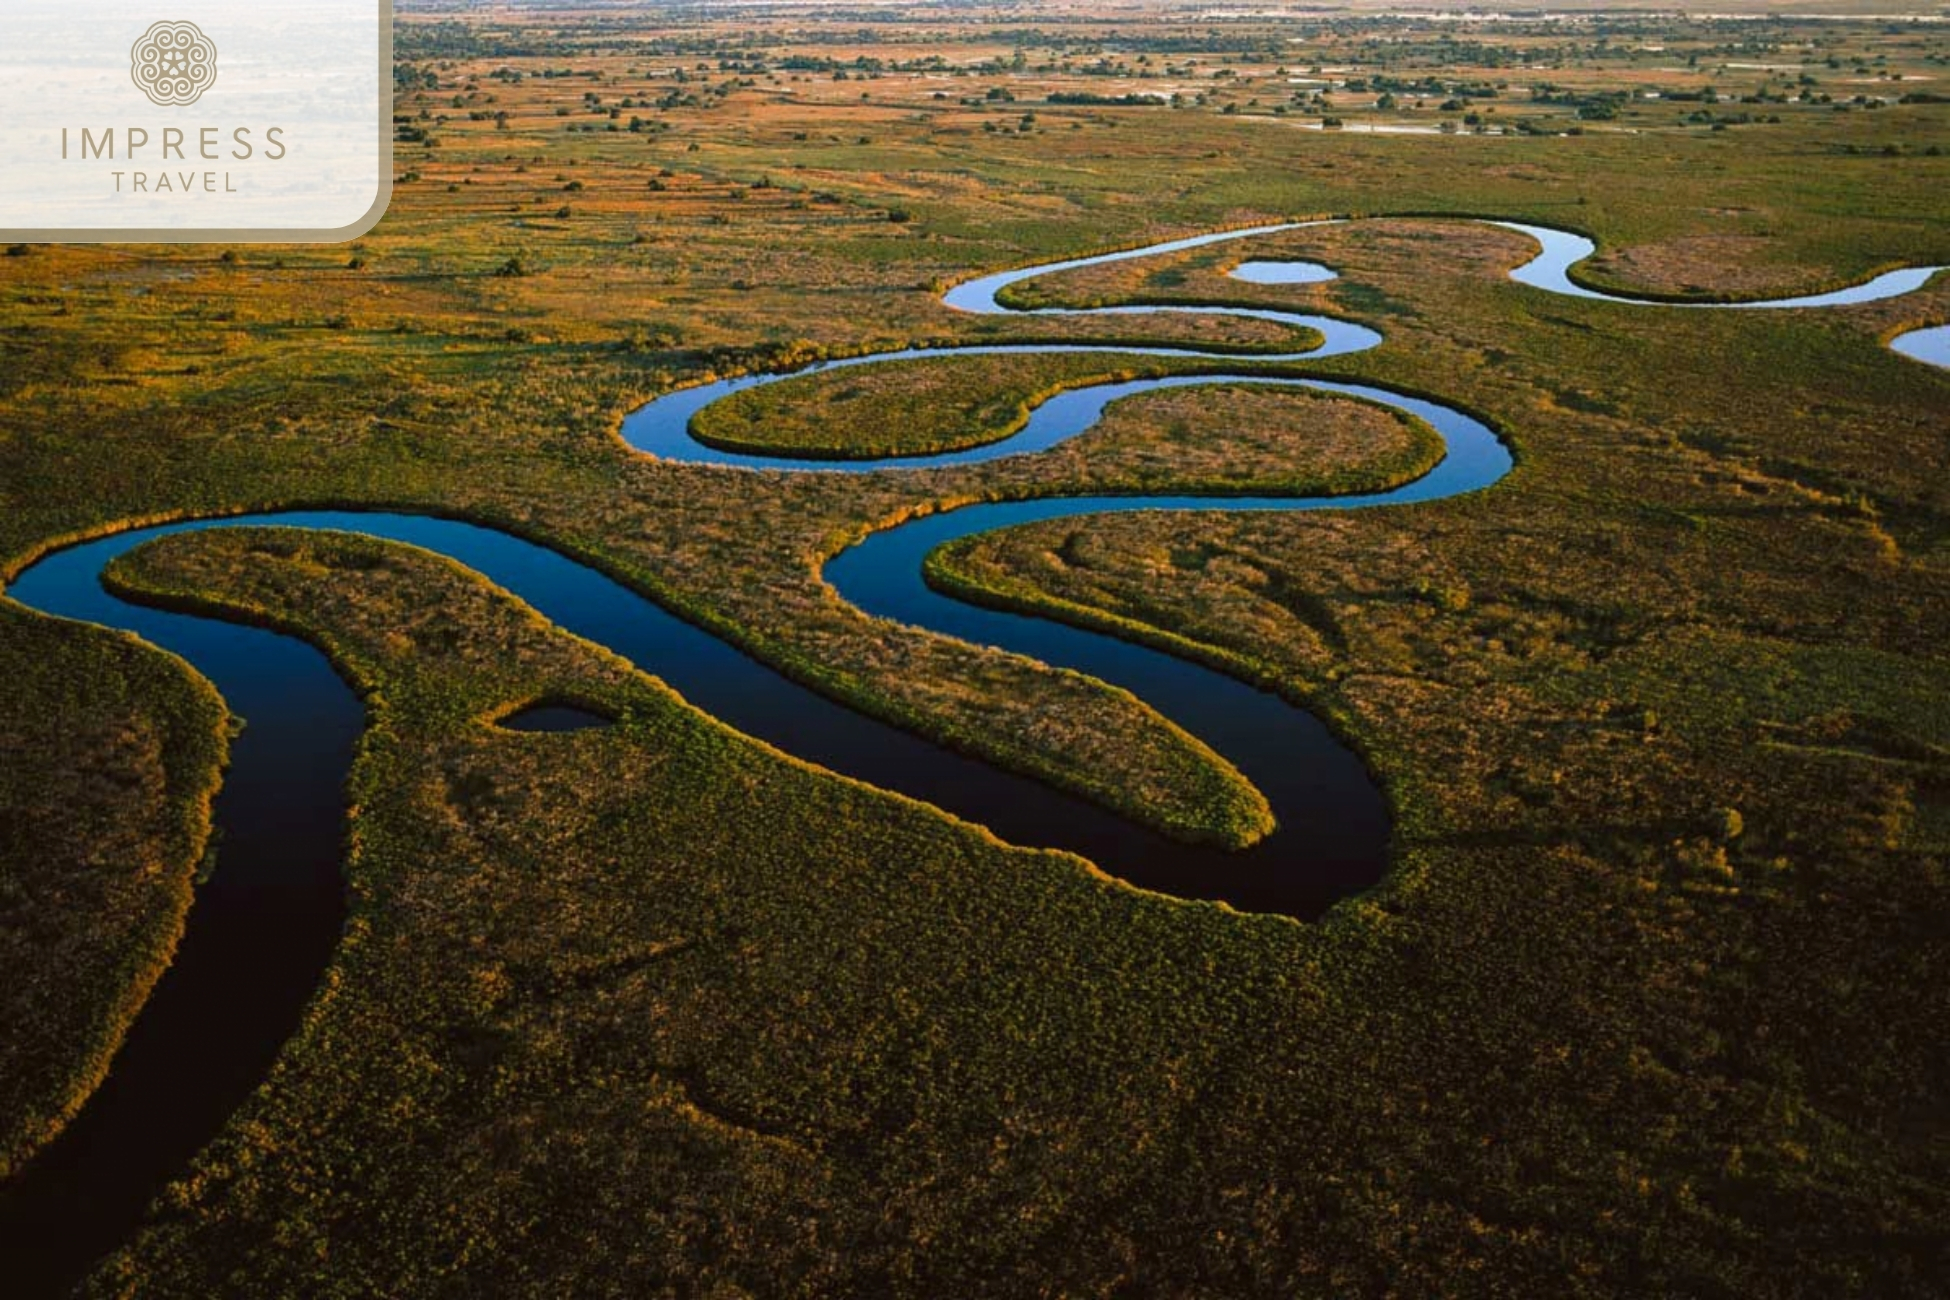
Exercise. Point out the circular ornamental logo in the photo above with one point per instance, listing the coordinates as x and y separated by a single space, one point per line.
173 63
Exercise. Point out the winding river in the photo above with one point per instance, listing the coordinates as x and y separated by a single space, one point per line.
263 926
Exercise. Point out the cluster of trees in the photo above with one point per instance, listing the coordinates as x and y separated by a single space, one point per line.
1085 97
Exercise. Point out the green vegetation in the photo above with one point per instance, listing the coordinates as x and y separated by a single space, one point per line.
756 1034
1653 1002
1240 438
912 408
108 758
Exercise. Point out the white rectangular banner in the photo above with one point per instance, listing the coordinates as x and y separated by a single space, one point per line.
194 120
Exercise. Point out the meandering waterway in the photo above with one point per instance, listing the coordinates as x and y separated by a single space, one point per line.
264 925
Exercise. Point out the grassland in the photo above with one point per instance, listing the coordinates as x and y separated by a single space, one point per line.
1238 438
1216 438
912 408
633 1023
106 774
1653 1001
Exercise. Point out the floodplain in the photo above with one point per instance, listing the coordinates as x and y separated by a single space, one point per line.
1642 988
